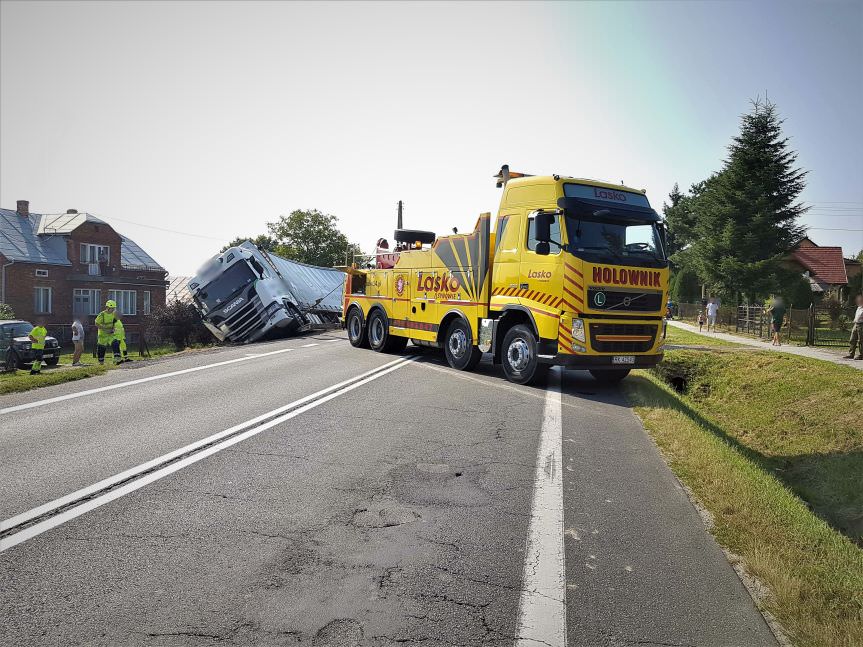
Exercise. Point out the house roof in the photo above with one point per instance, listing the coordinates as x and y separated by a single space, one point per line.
20 242
41 238
825 264
178 289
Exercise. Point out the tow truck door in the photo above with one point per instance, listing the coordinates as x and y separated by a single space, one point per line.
401 298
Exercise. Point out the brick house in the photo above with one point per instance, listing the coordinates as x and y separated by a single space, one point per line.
825 266
61 266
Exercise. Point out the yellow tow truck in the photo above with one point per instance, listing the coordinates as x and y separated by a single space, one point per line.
574 274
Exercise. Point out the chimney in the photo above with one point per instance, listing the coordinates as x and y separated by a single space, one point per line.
23 208
71 211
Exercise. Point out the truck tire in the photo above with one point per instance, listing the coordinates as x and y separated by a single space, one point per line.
458 346
357 333
519 357
610 377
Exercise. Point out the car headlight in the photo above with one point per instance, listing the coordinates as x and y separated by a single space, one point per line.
578 329
21 345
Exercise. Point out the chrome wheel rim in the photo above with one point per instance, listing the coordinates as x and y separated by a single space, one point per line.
518 354
377 331
356 327
458 343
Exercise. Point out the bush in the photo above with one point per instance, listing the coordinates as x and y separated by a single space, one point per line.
179 323
6 311
684 286
834 309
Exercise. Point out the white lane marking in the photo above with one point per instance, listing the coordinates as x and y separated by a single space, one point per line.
120 385
143 467
328 394
542 603
308 345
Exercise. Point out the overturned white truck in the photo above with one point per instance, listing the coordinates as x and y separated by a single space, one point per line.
245 294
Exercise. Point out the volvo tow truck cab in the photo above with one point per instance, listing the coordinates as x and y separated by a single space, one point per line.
573 274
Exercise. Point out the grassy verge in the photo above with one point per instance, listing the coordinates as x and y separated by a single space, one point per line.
684 337
17 381
772 447
22 380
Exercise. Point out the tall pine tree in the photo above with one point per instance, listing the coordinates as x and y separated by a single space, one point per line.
747 214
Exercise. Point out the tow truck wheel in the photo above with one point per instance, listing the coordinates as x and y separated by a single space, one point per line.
461 353
610 377
379 332
519 356
357 333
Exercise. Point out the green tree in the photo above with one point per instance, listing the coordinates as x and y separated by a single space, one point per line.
262 241
312 237
747 214
6 311
681 215
685 287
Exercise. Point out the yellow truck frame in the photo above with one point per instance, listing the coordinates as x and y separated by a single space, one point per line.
530 299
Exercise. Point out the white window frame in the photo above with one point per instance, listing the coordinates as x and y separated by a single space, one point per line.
146 302
90 253
42 273
95 300
127 302
43 300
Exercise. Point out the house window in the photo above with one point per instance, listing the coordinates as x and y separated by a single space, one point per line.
42 273
86 302
95 253
42 301
146 302
126 301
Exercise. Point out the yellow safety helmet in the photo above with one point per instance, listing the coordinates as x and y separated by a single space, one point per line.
110 303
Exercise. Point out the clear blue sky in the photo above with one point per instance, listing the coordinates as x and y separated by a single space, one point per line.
214 118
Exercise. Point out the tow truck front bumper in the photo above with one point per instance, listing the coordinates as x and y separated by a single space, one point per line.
599 362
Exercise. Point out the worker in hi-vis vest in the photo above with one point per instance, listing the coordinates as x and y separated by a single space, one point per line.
37 343
120 338
105 332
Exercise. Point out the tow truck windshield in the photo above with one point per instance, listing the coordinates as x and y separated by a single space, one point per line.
226 285
609 241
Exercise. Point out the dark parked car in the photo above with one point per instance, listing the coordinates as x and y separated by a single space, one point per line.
15 345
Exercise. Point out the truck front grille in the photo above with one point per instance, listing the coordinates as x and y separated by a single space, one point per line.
244 321
620 301
631 338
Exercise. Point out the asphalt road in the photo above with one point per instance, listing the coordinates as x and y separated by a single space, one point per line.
413 505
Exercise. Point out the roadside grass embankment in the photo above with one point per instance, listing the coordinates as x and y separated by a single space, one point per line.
21 380
681 337
771 445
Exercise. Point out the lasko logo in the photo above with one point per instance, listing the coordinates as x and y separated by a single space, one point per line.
233 305
539 274
615 276
432 283
608 194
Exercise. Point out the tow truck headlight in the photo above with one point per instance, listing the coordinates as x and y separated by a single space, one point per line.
578 330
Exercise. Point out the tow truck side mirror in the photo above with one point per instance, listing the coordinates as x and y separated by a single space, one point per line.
543 249
543 227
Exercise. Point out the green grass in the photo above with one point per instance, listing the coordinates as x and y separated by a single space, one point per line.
772 446
684 337
21 380
17 381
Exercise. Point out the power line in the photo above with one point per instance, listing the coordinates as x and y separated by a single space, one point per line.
170 231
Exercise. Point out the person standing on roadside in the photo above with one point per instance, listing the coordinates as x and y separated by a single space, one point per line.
37 341
777 318
105 325
712 311
857 331
77 341
120 340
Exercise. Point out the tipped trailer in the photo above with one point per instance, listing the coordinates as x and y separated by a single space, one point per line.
246 294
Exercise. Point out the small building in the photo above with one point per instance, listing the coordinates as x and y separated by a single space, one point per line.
61 266
825 267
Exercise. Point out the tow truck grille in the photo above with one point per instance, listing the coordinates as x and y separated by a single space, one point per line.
625 301
245 320
632 338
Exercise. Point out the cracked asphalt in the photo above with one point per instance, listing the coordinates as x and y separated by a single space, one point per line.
394 514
